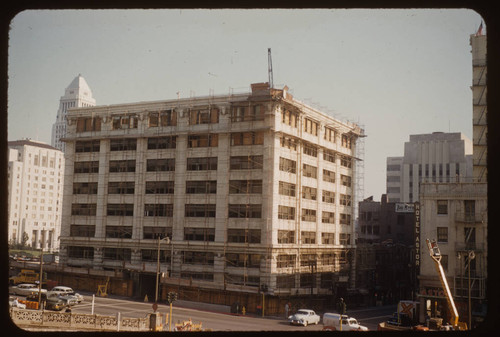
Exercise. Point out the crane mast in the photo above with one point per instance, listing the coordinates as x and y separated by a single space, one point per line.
435 254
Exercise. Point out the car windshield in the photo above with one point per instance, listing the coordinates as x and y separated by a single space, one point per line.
301 312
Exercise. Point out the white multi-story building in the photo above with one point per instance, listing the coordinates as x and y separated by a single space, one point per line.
254 190
35 185
76 95
435 157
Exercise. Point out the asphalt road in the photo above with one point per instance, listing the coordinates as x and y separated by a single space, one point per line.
217 321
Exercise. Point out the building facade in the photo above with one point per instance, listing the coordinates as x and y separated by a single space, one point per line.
77 94
456 216
436 157
254 190
479 106
35 185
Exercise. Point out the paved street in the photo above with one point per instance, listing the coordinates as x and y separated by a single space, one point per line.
218 321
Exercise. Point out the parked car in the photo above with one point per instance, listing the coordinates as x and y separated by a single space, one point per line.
14 303
304 317
55 303
332 322
66 293
26 289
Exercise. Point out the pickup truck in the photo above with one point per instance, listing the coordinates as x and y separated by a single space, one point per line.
332 322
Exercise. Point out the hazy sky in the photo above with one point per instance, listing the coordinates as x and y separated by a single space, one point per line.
395 72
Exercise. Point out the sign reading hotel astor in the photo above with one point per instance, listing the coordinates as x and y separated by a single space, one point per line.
417 237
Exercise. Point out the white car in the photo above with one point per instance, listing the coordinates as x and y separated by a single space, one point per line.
331 321
65 293
304 317
26 289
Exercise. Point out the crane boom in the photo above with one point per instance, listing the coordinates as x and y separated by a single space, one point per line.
436 256
270 68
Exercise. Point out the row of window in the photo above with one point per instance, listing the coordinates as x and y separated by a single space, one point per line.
289 213
290 260
167 187
289 189
290 166
307 237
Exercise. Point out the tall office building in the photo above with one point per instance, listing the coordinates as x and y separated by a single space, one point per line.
435 157
35 185
76 95
254 190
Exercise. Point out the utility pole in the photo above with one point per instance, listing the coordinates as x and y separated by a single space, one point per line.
40 281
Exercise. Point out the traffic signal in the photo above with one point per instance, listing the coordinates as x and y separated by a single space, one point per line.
171 297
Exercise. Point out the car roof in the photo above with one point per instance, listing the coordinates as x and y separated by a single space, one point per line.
27 285
61 288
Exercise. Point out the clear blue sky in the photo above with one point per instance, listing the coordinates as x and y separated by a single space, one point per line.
396 72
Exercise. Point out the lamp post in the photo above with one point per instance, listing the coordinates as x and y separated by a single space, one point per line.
471 256
167 239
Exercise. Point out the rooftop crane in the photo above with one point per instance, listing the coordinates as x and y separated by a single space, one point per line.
435 254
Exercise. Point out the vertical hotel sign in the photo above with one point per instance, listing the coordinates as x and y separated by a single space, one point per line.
417 238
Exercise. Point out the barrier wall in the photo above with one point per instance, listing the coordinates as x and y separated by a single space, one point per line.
66 320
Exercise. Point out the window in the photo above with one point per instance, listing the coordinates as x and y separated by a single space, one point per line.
345 199
121 166
201 187
205 140
307 280
243 260
150 232
199 234
243 235
245 186
84 124
329 156
308 237
87 231
344 239
79 252
442 206
159 187
442 234
286 236
287 189
307 259
163 118
330 134
328 197
119 232
286 213
201 164
328 217
285 281
289 143
203 258
309 171
84 188
395 167
290 118
328 239
247 113
87 146
346 161
151 255
246 162
285 261
123 144
86 167
328 176
157 165
120 210
308 214
83 209
245 211
288 165
197 276
309 193
247 138
310 150
121 187
124 122
311 127
346 141
120 254
200 210
345 180
203 116
158 143
163 210
345 219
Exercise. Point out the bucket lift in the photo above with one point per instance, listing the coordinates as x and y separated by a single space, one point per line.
102 289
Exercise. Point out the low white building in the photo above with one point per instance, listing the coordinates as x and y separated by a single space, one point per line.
35 185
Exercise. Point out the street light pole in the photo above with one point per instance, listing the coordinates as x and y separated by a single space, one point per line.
167 239
471 257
